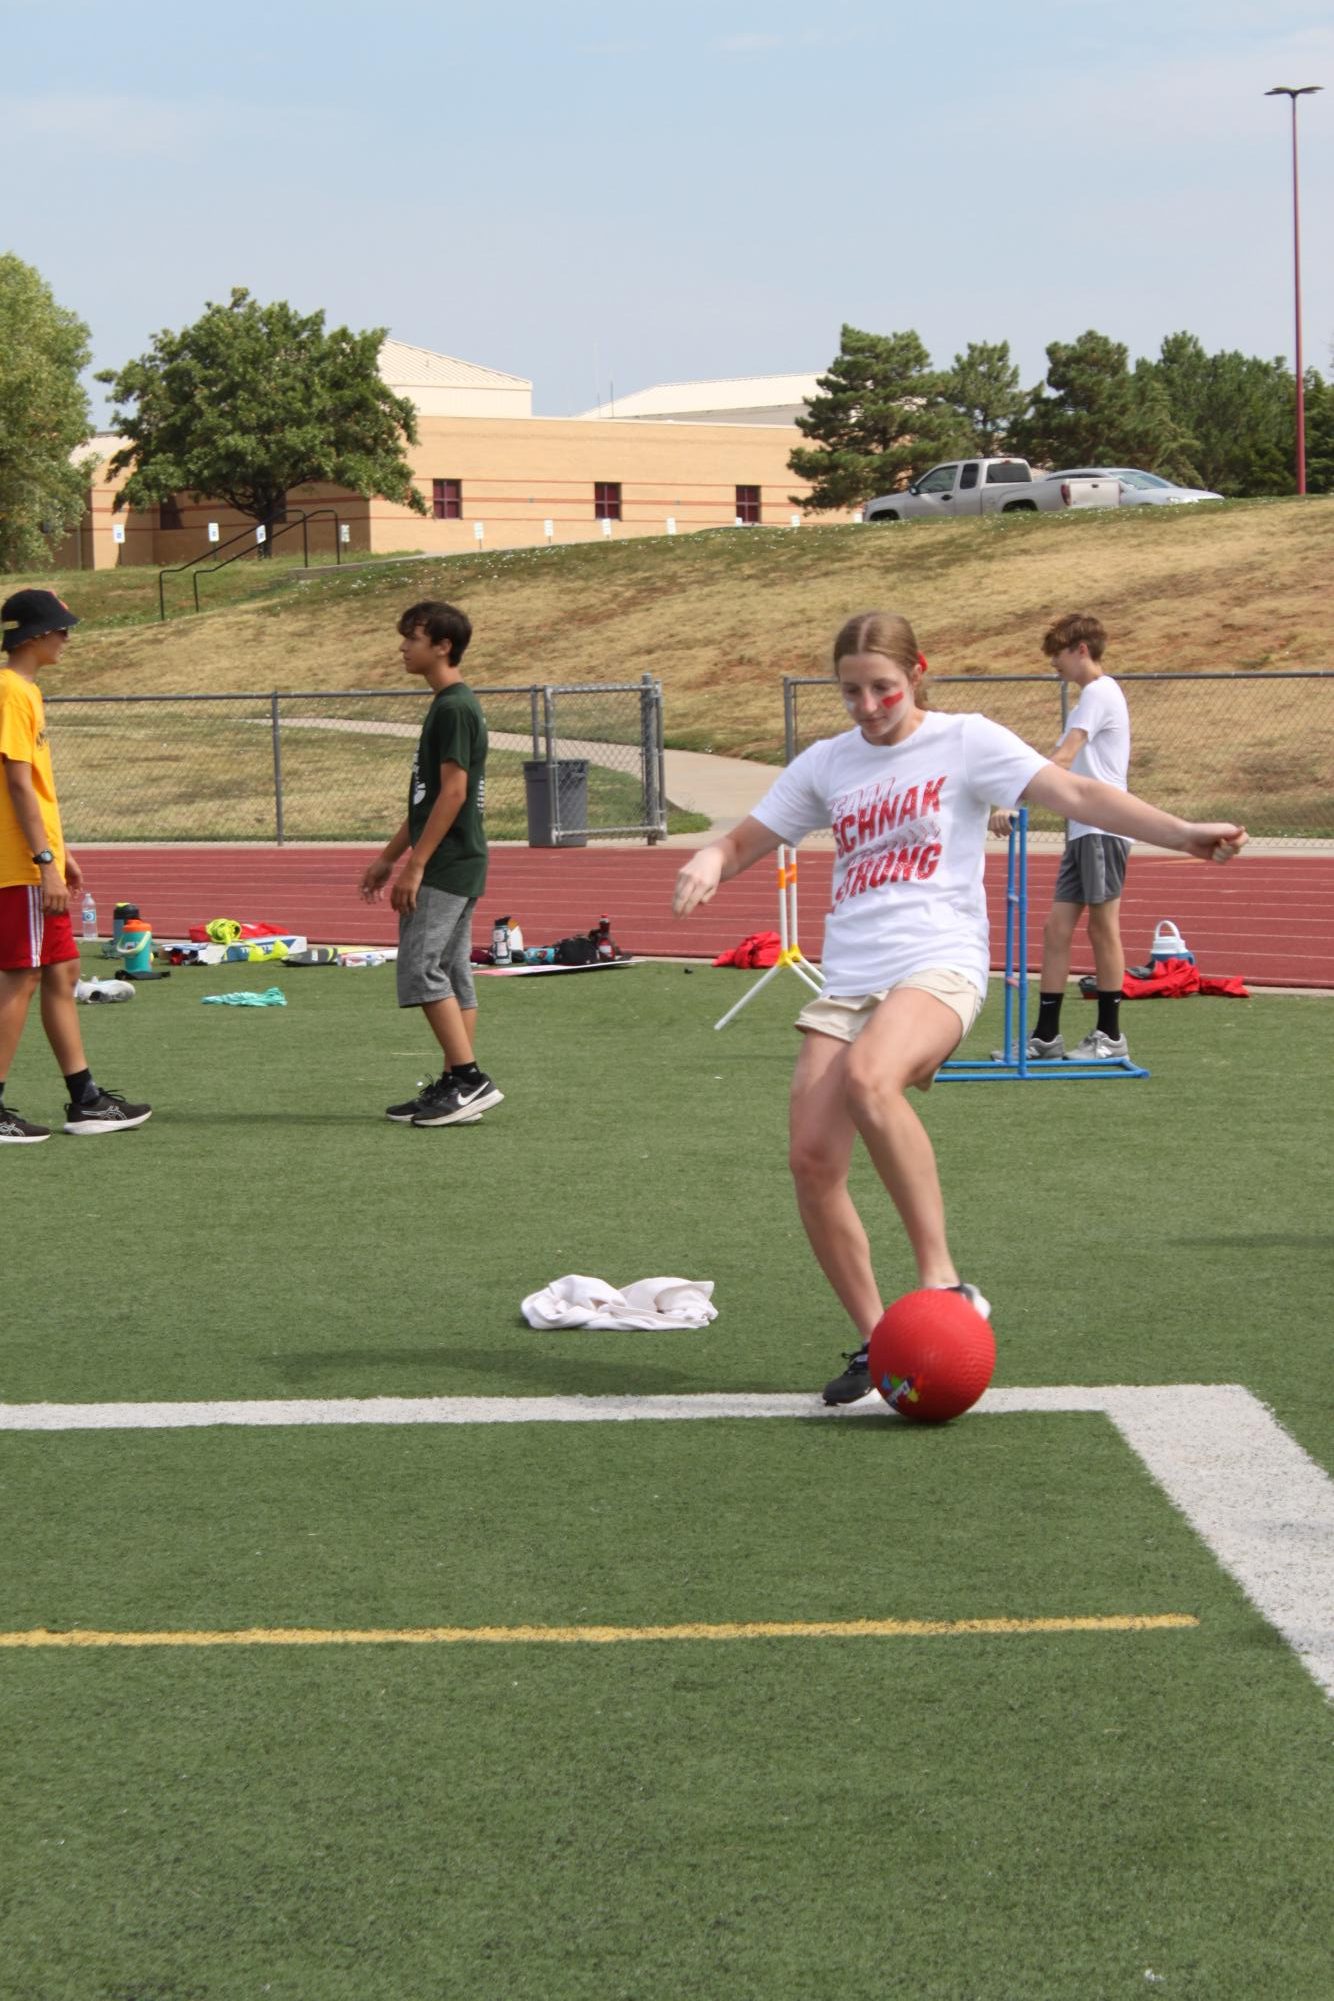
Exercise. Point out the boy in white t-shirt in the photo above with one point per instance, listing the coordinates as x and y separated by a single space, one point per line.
1095 743
905 958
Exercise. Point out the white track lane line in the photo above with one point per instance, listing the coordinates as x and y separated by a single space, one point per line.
1261 1504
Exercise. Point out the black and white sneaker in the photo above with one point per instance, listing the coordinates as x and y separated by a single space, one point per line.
461 1104
429 1092
855 1381
15 1131
107 1112
974 1297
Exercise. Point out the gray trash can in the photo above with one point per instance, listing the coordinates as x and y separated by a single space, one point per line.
572 799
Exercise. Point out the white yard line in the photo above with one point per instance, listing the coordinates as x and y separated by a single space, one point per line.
1262 1505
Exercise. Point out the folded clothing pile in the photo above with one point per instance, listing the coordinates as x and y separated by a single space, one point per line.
577 1301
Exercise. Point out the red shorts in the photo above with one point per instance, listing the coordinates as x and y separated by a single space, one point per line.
28 936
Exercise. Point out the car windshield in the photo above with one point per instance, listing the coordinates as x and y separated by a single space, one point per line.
1133 477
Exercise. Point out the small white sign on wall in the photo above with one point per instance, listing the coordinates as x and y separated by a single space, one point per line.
796 521
213 531
118 531
671 524
261 533
479 529
549 529
606 527
344 533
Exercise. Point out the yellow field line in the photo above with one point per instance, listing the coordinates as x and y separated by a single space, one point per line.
454 1636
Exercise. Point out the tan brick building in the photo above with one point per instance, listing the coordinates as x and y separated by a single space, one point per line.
672 459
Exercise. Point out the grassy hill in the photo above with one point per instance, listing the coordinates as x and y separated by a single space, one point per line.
721 616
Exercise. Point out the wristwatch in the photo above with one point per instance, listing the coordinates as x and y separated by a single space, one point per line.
43 856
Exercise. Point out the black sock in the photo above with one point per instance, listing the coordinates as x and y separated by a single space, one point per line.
1109 1012
1049 1017
80 1086
467 1073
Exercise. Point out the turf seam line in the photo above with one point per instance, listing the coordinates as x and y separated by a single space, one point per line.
761 1629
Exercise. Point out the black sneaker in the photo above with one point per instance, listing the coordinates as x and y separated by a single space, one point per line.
15 1131
106 1113
429 1092
855 1381
461 1104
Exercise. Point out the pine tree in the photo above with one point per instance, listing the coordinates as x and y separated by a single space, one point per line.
983 386
879 417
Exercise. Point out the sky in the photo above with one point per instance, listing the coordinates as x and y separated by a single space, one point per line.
599 198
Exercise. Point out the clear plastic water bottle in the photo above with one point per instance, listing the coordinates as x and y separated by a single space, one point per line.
500 941
89 915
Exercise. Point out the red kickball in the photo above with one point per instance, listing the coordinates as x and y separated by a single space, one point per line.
932 1355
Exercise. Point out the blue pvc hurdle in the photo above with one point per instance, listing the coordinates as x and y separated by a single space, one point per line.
1013 1066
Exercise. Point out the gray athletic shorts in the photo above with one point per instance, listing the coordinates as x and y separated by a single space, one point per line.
1093 869
434 944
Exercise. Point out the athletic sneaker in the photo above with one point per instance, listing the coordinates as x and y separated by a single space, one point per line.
855 1381
1099 1047
15 1131
429 1092
1038 1051
460 1104
106 1113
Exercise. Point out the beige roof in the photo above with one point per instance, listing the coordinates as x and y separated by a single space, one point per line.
732 392
101 445
406 367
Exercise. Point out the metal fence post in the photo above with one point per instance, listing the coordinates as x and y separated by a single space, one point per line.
533 722
648 758
789 718
1065 705
553 787
277 767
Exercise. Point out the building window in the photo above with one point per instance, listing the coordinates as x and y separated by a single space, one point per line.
447 499
169 513
606 500
748 503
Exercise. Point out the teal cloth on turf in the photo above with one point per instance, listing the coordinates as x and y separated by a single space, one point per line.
272 997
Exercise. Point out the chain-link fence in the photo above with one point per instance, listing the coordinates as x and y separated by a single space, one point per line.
1246 747
565 765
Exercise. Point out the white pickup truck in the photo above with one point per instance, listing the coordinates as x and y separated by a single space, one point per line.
989 486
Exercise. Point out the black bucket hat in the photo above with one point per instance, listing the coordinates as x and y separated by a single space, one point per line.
31 614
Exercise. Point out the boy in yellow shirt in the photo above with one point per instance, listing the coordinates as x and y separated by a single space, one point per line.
37 878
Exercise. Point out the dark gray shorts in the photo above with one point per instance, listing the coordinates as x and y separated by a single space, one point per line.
1093 869
434 944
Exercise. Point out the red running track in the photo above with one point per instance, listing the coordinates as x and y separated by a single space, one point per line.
1268 918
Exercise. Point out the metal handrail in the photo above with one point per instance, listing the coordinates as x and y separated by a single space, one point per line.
314 514
242 535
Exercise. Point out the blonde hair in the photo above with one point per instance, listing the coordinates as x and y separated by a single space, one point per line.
888 633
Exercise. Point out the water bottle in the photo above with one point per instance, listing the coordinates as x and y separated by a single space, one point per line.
500 942
89 915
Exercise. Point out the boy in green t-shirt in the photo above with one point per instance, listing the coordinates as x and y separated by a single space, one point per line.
445 871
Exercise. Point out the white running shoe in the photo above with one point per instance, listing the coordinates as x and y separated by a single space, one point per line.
1098 1047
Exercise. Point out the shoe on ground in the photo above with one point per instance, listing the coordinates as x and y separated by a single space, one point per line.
460 1104
855 1381
1099 1047
107 1112
429 1093
15 1131
1038 1050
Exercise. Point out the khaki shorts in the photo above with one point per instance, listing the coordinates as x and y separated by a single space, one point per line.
844 1016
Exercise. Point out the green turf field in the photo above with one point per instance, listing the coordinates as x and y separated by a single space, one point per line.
1057 1816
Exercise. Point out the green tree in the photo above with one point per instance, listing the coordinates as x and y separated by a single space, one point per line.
1092 410
878 417
1240 411
43 417
1319 433
253 400
983 386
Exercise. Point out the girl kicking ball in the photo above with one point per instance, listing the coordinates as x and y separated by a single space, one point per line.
907 794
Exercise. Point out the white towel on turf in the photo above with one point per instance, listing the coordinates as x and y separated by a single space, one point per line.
576 1301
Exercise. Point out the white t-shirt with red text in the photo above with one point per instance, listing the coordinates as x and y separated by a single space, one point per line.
909 823
1102 714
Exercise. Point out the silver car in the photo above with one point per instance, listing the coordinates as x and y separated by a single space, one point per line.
1141 489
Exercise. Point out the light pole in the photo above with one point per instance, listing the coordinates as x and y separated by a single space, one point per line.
1294 92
